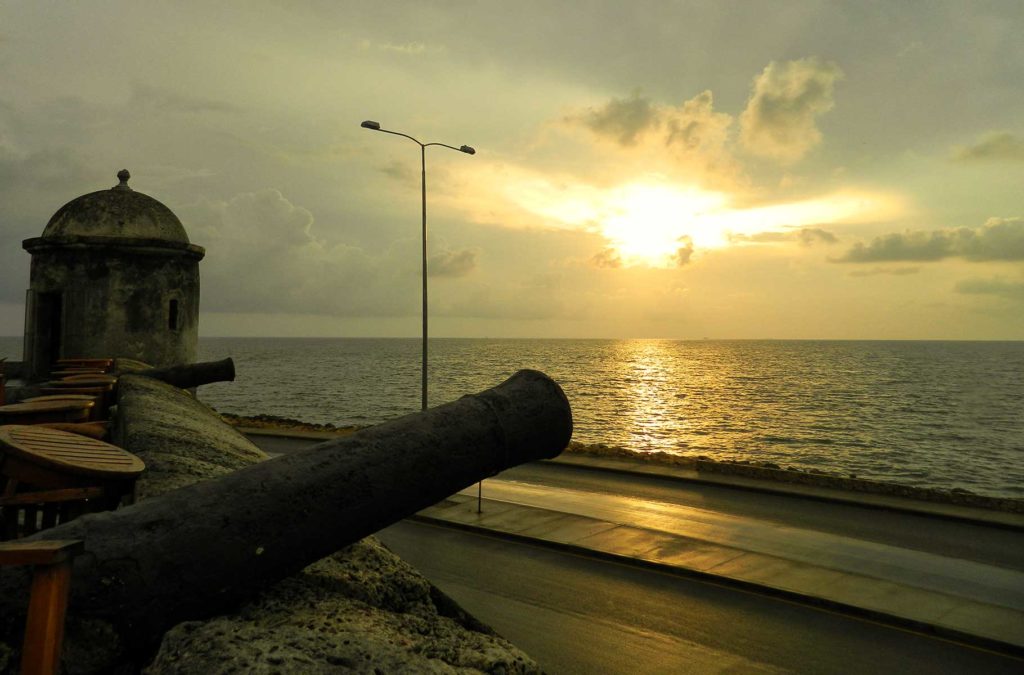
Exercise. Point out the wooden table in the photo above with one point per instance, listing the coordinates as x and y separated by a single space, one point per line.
84 379
48 458
61 397
105 364
34 412
52 476
65 372
100 385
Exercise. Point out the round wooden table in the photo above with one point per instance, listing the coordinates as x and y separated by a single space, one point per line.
51 459
34 412
50 477
61 397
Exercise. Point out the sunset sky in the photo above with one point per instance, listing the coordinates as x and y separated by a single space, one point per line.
724 169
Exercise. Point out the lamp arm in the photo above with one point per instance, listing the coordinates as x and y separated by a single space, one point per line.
399 133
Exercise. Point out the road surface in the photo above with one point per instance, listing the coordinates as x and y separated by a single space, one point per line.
580 615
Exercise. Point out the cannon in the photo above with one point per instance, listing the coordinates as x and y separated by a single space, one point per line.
194 374
202 549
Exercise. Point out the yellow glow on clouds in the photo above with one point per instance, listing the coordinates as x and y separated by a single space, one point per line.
647 220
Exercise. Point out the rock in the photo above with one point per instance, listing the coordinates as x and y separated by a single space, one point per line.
362 610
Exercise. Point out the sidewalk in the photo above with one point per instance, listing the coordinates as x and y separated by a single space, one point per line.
959 599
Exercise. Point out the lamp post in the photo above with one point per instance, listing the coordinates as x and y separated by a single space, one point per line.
375 126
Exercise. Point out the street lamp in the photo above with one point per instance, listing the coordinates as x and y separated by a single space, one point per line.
375 126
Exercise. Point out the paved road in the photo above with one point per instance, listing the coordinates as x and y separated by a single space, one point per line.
580 615
972 568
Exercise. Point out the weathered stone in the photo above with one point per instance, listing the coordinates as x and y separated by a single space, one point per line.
361 610
113 274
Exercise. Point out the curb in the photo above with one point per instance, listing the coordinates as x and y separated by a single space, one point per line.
894 620
972 515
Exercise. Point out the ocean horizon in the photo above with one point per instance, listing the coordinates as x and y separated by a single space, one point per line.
930 413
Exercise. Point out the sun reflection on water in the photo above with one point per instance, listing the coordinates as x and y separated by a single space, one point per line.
942 414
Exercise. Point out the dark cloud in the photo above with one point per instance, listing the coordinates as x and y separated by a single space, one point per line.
609 258
622 119
1011 289
693 130
779 121
997 239
683 253
452 263
998 146
809 236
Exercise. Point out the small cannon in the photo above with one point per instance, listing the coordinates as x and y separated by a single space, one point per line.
200 550
194 374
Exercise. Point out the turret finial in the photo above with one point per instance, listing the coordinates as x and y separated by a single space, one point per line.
123 176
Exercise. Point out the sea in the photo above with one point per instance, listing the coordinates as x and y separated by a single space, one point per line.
938 414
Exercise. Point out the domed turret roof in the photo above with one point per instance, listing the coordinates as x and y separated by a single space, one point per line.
119 212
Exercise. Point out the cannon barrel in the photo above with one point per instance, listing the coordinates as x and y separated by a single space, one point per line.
194 374
201 549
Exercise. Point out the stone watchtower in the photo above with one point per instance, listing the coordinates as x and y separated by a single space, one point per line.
113 275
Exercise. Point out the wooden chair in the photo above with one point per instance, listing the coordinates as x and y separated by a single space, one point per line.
48 599
25 513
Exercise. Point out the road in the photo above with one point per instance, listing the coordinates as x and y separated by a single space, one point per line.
577 613
581 615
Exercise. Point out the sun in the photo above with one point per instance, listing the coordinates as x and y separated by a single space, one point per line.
647 223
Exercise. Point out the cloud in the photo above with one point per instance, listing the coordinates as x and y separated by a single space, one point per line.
695 126
692 136
893 271
609 258
622 119
684 253
809 236
1012 289
996 146
806 236
150 98
452 263
779 121
262 255
405 48
689 127
997 239
401 172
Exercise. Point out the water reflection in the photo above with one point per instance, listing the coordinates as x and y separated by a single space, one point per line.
941 414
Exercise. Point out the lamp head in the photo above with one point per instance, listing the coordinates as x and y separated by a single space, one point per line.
468 150
370 124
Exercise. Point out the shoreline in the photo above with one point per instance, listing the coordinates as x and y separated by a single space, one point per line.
766 471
